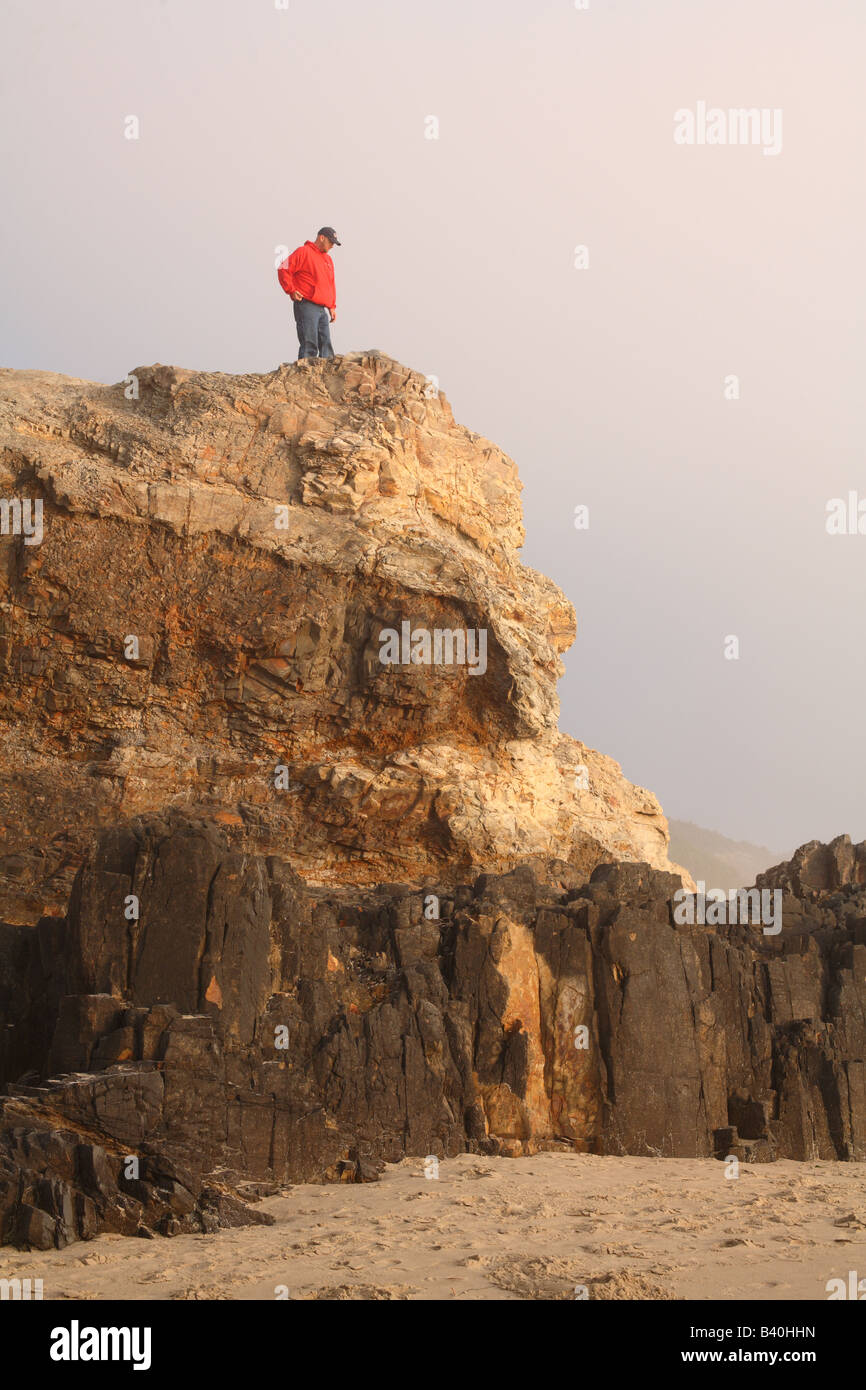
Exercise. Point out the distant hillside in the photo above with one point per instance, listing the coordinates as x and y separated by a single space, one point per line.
720 862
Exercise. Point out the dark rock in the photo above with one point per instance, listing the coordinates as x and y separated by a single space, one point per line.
82 1020
257 1033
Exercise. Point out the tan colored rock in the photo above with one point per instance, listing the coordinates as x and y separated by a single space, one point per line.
255 534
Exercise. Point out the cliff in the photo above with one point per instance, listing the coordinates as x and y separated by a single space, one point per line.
200 625
240 1031
287 893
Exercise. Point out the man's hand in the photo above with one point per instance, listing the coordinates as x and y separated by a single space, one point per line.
296 295
333 314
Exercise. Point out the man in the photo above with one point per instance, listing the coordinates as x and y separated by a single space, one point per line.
308 276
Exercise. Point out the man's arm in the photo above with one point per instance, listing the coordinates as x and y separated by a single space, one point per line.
332 307
286 273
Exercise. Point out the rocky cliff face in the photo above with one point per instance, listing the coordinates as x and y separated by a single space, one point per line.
242 1030
200 626
246 939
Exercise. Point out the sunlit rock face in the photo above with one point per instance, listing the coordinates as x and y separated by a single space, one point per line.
201 619
298 875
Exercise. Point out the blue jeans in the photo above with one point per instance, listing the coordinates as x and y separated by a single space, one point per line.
314 329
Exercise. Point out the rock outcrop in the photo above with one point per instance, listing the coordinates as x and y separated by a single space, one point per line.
200 626
278 908
202 1026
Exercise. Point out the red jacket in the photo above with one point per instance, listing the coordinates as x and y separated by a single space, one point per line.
310 272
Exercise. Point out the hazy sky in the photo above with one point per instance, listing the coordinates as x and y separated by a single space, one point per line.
605 384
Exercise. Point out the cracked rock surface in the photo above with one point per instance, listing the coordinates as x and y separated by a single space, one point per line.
219 556
245 1031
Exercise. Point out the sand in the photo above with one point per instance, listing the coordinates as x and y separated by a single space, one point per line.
530 1228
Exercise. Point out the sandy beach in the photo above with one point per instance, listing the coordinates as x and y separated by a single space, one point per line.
532 1228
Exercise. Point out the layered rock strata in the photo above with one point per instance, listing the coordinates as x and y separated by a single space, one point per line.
199 624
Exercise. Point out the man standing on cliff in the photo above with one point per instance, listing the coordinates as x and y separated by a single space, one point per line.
308 276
